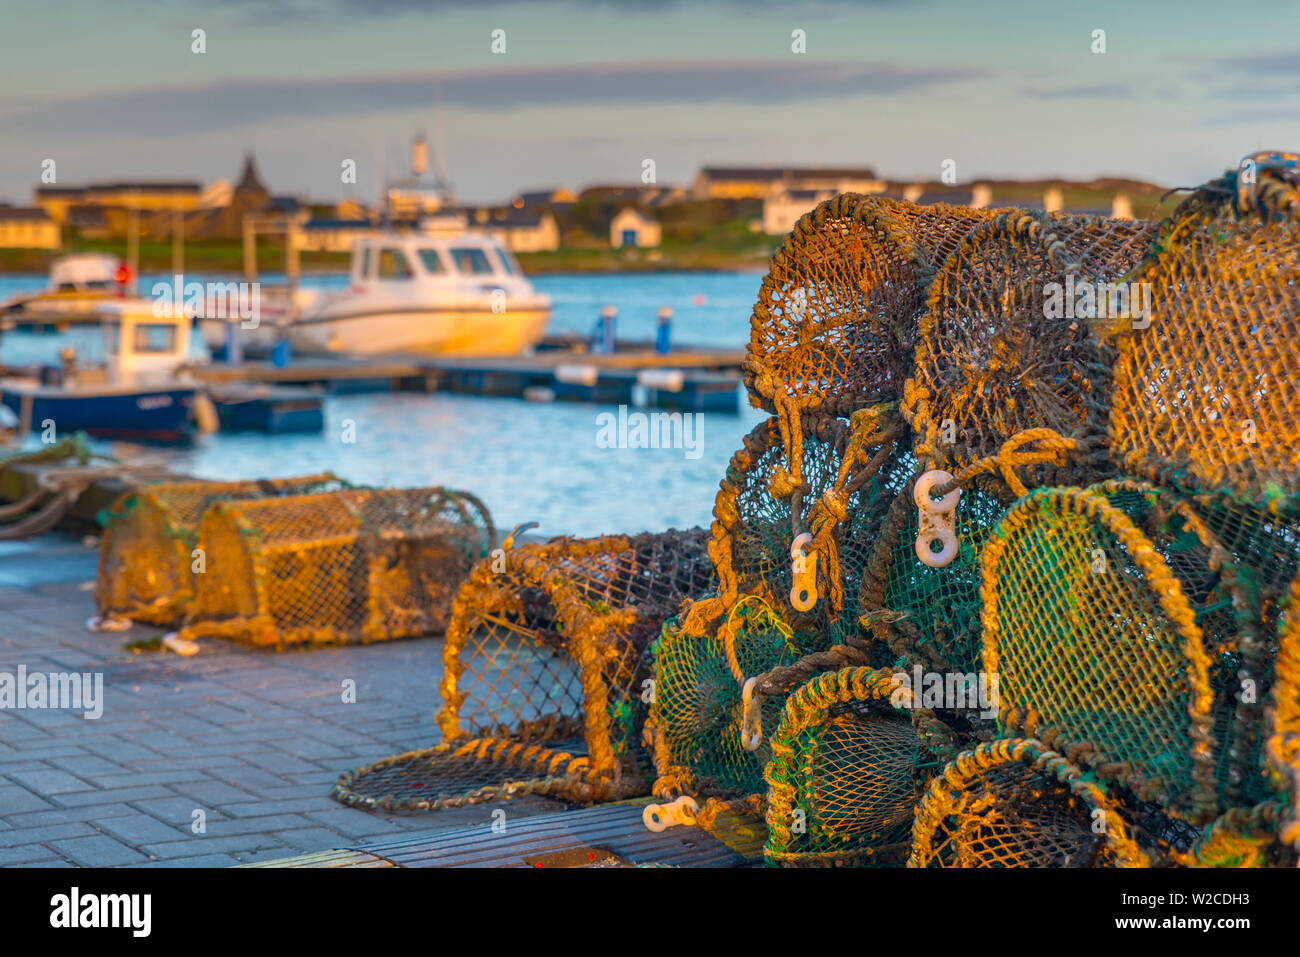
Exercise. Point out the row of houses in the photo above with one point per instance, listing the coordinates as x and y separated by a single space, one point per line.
533 221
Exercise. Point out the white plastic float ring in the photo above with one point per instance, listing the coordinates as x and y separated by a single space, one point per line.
937 520
751 725
803 573
660 817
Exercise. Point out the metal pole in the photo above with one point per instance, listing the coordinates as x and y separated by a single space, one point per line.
250 249
178 242
133 250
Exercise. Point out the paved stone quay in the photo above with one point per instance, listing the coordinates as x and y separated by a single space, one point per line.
253 740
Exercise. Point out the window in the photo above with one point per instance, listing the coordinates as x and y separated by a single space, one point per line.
155 337
393 265
433 264
507 262
471 261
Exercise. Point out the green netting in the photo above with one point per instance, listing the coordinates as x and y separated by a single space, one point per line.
849 763
928 616
697 711
830 489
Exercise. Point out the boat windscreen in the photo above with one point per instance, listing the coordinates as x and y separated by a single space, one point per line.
471 261
393 265
433 263
507 262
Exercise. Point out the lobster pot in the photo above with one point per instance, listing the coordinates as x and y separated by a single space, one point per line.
1206 388
354 566
836 318
696 717
849 761
545 672
928 615
1013 803
831 489
1007 345
146 552
1115 617
1283 746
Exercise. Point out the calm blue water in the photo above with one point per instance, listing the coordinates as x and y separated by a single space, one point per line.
527 461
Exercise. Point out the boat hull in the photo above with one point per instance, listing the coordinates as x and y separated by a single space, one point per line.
156 415
452 332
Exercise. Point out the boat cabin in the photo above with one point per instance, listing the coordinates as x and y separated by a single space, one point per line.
94 273
457 258
141 347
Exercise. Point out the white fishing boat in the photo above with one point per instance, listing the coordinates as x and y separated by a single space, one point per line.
417 293
78 284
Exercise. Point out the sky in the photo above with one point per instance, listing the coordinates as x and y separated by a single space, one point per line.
587 90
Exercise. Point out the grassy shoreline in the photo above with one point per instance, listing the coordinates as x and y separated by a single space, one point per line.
730 253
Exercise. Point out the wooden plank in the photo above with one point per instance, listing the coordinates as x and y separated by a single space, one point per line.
341 858
613 828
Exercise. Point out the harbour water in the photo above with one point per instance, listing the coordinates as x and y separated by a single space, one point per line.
542 462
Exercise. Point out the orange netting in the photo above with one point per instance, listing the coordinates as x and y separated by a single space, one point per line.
146 552
358 565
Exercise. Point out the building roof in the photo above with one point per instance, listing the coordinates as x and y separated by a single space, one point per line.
769 174
249 180
145 186
957 196
338 224
519 218
801 194
632 210
32 214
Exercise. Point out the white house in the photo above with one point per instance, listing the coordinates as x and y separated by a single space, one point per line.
782 210
631 227
526 231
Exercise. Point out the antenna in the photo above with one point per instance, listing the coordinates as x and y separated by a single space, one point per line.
440 180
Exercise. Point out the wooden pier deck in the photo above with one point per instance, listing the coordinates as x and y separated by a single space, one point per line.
607 835
689 380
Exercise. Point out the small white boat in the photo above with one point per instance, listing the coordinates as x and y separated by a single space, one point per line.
78 284
458 293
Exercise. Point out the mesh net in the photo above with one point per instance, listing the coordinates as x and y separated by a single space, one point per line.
340 567
545 672
848 766
928 616
1205 391
1283 746
696 716
146 550
1016 804
1110 621
548 759
1006 345
835 322
834 494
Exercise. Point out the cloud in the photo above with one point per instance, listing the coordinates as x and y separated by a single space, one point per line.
1262 64
233 104
1099 91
